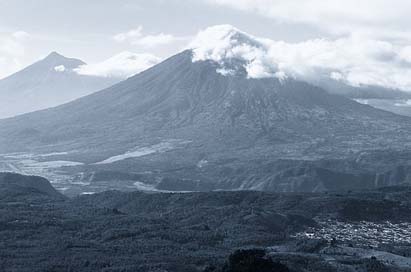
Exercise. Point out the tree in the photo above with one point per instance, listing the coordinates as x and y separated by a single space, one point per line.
252 260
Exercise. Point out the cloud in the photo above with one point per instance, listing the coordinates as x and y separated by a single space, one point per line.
21 35
129 35
12 51
368 17
60 68
122 65
224 43
405 54
354 60
137 37
155 40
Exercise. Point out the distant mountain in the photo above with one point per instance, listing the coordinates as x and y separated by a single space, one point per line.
185 122
392 100
13 185
47 83
360 92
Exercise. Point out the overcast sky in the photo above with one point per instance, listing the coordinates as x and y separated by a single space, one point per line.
96 30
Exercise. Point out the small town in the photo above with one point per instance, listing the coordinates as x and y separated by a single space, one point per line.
364 232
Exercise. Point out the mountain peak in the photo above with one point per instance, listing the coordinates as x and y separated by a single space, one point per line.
55 59
221 41
235 51
55 56
48 82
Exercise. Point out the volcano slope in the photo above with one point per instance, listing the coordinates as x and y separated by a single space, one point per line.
185 120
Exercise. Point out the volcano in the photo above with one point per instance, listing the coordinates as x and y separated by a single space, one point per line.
49 82
186 116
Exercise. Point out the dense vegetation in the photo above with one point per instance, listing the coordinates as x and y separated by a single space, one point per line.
116 231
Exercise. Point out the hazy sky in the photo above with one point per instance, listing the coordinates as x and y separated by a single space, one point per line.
95 30
85 29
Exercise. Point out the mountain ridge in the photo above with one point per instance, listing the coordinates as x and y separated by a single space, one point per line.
14 185
46 83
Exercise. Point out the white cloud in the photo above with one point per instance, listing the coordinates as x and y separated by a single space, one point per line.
405 54
122 65
21 35
224 43
137 37
12 51
368 17
129 35
155 40
60 68
351 59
